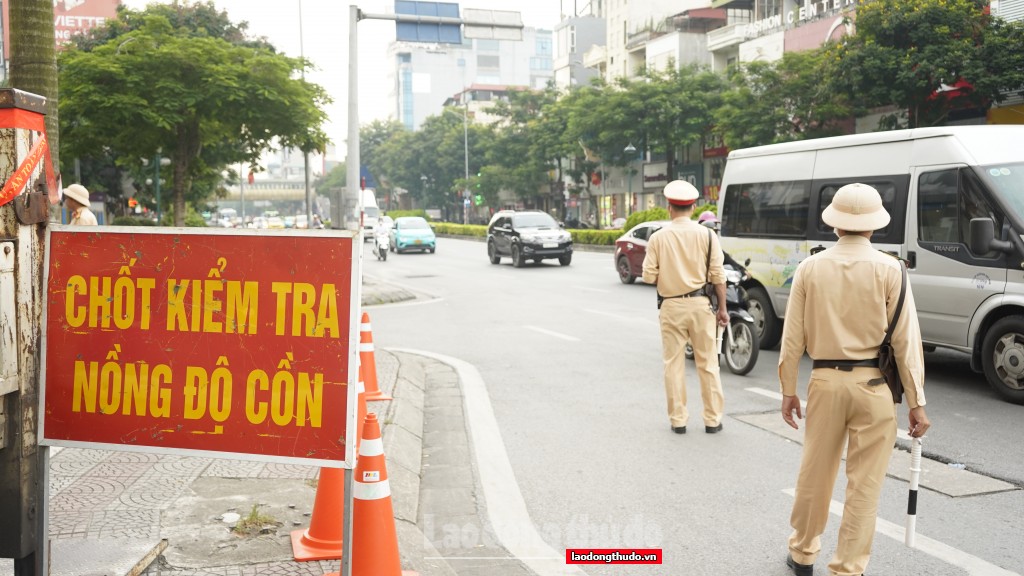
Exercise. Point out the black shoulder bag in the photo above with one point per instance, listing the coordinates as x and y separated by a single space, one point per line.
886 354
709 288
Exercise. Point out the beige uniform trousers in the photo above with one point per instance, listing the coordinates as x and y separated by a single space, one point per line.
690 320
841 404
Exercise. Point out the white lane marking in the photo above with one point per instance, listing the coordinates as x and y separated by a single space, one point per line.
900 433
972 564
552 333
505 505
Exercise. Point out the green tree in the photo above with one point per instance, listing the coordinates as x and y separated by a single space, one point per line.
908 53
781 101
372 138
202 101
334 179
520 156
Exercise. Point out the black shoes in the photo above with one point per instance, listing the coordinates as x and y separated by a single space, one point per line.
679 429
799 569
713 429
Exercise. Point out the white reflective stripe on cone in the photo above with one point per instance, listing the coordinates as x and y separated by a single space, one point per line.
360 387
366 347
371 447
372 490
364 327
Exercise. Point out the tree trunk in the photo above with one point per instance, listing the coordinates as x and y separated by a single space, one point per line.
34 60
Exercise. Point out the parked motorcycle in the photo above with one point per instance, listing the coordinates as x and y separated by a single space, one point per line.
739 343
381 244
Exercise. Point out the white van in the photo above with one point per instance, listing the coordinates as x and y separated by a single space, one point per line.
371 212
956 197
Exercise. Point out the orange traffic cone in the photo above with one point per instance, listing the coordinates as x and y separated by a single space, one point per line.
323 539
367 363
374 541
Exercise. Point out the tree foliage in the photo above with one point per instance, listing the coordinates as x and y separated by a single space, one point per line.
199 99
781 101
926 57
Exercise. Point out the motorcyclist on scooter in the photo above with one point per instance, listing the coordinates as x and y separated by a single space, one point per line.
381 238
710 219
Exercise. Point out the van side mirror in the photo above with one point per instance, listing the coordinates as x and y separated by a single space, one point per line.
983 237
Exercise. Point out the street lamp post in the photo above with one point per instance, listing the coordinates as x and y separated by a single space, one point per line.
630 150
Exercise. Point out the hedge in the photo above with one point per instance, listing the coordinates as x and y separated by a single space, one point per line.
400 213
477 230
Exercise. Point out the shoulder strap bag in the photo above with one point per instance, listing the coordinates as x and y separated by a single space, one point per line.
886 354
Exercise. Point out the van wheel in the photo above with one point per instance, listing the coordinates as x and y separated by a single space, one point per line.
766 323
1002 356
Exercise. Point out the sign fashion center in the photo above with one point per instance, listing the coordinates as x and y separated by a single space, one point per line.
216 344
798 14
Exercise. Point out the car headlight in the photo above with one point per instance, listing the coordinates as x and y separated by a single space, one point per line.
529 237
733 276
564 237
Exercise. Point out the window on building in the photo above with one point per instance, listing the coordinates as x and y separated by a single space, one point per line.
404 58
487 61
540 64
572 40
488 45
543 46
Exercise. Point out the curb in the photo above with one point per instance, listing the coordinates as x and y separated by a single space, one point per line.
403 443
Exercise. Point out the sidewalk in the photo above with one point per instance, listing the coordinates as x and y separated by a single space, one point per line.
118 513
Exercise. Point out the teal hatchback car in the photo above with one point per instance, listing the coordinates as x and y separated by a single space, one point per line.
412 233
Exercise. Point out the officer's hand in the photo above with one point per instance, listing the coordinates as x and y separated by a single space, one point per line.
790 403
919 423
723 316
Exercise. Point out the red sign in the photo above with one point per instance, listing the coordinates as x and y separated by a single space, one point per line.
224 344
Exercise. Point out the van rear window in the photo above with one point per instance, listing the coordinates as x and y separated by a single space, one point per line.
767 209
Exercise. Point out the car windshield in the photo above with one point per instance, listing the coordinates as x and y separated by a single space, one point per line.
533 220
1007 182
413 224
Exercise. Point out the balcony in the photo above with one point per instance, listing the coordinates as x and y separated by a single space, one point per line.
726 36
595 57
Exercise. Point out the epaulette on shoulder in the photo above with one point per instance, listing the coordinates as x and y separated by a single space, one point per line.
894 256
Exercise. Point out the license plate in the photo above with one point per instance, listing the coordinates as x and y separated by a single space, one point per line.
419 241
551 244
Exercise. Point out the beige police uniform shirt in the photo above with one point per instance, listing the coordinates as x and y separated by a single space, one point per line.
836 312
677 258
83 217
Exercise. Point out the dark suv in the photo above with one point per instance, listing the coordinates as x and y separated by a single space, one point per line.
527 235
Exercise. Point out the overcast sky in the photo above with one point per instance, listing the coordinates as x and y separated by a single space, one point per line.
324 37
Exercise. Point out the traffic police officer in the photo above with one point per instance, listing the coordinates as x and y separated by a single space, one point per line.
677 262
77 199
839 309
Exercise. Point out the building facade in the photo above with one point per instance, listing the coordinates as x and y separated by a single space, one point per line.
424 76
574 37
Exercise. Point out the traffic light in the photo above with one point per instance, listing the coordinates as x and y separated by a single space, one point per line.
478 176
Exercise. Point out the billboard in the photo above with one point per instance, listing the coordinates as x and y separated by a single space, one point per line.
229 343
69 17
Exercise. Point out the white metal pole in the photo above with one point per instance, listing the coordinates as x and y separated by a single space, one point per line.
915 477
352 161
352 187
305 153
465 151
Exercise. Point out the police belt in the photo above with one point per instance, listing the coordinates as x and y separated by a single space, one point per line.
695 293
846 365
